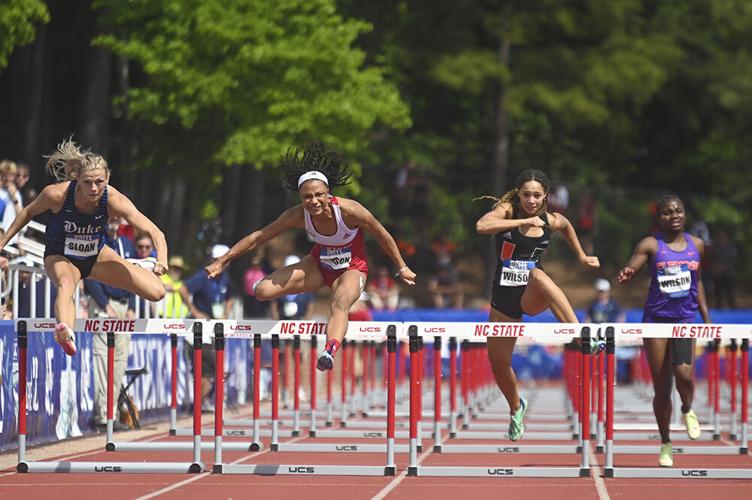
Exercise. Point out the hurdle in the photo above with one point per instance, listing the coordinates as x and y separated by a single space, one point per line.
478 333
273 331
111 327
716 331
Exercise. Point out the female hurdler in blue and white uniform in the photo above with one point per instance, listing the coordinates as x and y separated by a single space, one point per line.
81 203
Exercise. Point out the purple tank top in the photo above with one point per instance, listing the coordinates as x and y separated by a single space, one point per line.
673 282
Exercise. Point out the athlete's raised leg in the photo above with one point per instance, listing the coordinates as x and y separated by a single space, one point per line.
114 270
542 293
300 277
65 276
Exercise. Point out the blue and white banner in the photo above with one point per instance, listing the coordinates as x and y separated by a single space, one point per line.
60 388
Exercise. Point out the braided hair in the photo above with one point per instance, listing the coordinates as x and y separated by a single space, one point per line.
315 156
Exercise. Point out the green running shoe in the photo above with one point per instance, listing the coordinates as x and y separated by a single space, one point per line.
666 459
516 429
692 425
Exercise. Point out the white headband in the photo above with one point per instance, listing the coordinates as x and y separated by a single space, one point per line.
309 176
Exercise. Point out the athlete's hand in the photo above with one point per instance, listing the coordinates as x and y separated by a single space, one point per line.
625 275
533 222
215 268
590 261
160 268
406 276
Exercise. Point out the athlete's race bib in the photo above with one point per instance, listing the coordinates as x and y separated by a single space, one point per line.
81 246
335 258
515 272
675 281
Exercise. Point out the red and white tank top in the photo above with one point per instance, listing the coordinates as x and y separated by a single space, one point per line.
342 250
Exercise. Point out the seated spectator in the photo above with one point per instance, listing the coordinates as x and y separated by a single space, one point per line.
172 305
603 308
445 289
383 291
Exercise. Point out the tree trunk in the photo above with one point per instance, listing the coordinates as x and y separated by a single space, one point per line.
501 145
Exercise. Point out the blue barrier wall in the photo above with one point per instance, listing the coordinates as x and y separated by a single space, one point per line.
60 388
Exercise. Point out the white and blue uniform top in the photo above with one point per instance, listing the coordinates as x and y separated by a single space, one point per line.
74 234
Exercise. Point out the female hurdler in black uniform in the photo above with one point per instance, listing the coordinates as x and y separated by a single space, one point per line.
523 229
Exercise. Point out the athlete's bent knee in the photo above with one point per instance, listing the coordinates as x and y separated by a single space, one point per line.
261 291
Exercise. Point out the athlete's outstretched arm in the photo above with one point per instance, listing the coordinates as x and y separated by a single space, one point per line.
356 213
49 199
500 219
290 218
642 252
561 223
118 205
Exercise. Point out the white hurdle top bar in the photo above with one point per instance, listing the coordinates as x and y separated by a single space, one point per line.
525 333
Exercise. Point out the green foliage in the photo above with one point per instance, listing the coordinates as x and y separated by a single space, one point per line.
17 24
258 76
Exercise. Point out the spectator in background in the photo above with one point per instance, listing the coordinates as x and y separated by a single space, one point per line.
445 289
383 291
258 268
725 267
604 309
10 195
208 299
109 302
558 199
28 193
587 222
173 306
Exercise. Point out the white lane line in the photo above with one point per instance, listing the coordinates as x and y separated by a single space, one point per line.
202 475
600 484
397 480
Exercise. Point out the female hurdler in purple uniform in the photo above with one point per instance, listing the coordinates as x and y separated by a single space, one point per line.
675 296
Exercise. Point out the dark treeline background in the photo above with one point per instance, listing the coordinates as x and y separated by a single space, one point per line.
434 103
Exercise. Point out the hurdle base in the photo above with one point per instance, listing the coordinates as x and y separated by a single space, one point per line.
196 468
390 471
716 437
585 472
312 434
743 450
599 448
254 447
329 424
22 467
109 446
217 469
412 471
452 435
173 432
733 437
295 434
437 448
609 472
275 447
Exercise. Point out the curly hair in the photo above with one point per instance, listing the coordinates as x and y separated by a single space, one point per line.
315 156
512 196
68 161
